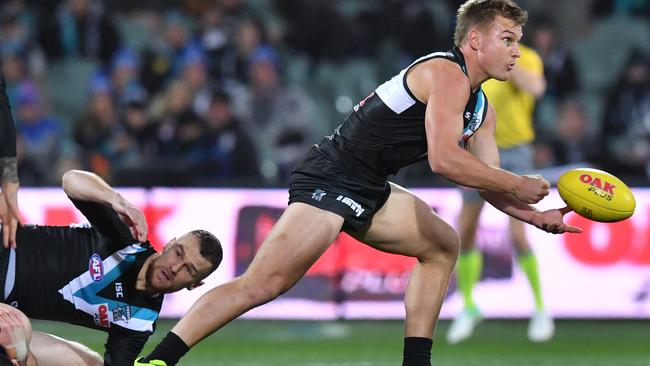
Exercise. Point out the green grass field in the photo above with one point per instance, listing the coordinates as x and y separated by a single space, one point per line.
370 343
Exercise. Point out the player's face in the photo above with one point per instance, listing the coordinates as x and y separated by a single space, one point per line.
498 47
180 265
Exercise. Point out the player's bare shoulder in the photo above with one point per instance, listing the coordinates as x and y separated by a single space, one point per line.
438 75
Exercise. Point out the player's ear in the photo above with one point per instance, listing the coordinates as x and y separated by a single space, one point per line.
195 285
474 39
171 241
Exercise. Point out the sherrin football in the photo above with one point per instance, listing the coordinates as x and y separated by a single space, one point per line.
596 195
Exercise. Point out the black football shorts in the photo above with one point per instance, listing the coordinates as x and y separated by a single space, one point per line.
321 181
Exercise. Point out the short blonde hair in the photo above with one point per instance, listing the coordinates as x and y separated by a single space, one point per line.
480 13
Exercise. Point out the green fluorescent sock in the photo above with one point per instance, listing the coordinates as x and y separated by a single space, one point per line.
468 272
528 263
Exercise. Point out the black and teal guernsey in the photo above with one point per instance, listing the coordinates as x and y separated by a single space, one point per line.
84 275
386 131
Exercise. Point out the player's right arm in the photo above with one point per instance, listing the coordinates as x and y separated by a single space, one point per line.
446 89
114 210
9 213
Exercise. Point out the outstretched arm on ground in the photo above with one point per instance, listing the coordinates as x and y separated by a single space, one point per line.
87 186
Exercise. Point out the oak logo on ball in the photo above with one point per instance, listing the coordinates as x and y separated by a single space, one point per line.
600 188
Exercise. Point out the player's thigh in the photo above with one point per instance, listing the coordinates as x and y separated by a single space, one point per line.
51 350
407 225
297 240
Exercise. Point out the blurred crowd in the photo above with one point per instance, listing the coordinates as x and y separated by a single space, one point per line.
233 92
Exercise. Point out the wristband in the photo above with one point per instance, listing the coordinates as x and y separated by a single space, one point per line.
17 350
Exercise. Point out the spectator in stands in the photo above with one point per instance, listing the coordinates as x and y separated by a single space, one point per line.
134 138
162 58
78 29
125 71
626 131
93 132
232 154
560 72
559 66
277 117
15 72
180 134
16 28
405 22
250 35
635 8
214 35
39 137
194 72
573 142
315 27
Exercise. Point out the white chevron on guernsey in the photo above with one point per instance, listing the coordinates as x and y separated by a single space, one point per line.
393 92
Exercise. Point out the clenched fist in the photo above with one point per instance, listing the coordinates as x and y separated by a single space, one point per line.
531 188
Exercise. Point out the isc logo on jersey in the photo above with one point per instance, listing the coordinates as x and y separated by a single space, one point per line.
96 267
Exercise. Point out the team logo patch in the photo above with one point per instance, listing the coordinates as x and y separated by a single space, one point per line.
122 313
318 195
96 267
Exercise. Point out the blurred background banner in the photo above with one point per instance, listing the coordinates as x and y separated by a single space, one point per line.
602 273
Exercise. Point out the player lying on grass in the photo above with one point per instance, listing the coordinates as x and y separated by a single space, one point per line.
19 345
102 275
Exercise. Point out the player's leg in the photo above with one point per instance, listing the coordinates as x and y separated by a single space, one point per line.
470 260
469 267
297 240
540 327
519 160
51 350
406 225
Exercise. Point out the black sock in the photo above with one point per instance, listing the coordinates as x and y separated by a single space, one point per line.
417 351
170 350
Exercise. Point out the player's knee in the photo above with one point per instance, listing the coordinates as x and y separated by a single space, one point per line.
94 359
89 356
445 246
260 291
450 245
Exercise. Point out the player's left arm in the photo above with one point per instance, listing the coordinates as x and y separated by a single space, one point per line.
105 208
483 146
